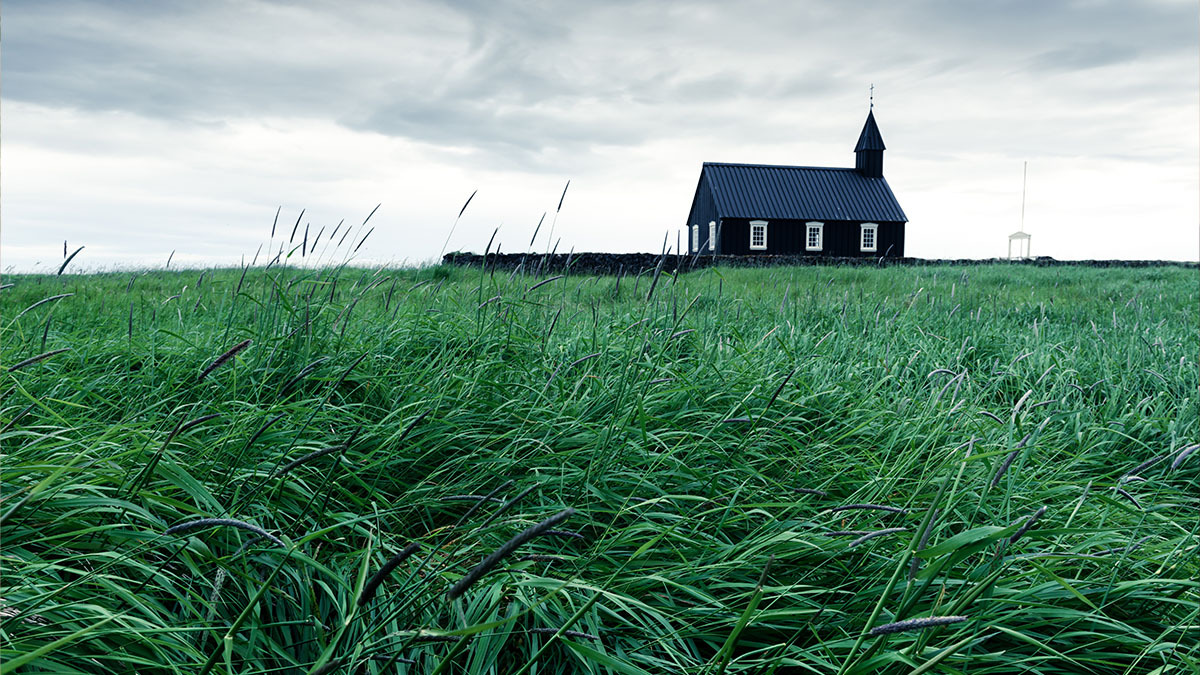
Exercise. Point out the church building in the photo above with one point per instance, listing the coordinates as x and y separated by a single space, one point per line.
760 209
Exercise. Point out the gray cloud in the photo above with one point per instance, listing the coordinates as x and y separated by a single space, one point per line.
1084 56
240 98
519 83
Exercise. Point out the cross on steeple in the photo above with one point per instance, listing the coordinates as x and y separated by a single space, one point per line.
872 96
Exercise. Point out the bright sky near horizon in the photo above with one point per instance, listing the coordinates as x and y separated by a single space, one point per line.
140 128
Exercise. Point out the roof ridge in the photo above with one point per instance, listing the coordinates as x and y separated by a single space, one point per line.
781 166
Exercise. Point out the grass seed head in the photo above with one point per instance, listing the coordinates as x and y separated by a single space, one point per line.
566 633
373 584
869 507
877 533
916 624
1028 524
1183 455
1004 467
222 522
224 358
36 359
509 546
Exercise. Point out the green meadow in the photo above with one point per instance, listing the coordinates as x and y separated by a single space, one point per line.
451 470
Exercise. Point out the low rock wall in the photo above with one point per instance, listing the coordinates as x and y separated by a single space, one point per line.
634 263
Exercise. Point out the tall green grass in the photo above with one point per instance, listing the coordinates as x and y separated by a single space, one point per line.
708 429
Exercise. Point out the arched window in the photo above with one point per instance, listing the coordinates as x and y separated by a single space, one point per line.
695 238
712 235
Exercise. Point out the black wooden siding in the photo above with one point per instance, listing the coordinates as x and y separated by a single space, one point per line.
786 237
704 211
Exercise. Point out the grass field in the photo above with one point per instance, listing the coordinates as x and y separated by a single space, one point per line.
763 466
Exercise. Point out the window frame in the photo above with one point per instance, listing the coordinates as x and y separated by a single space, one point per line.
712 235
763 225
820 227
695 237
873 228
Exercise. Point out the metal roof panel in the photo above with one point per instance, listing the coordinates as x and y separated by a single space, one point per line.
800 193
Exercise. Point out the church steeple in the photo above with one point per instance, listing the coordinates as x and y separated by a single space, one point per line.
869 151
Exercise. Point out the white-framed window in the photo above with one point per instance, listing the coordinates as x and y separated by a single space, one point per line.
695 237
868 239
712 235
814 236
758 235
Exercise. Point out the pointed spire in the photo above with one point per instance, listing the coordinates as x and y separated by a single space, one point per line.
870 138
869 151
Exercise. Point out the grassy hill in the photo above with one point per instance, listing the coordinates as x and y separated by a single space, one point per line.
454 470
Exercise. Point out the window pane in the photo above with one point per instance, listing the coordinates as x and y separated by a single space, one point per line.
868 238
813 242
758 235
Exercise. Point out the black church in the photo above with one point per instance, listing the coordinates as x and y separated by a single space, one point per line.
758 209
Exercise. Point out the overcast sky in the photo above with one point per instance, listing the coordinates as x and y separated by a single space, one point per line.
138 128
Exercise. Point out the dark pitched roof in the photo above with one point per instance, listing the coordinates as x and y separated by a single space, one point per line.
800 192
870 138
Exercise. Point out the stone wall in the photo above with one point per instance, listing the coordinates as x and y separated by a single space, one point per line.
634 263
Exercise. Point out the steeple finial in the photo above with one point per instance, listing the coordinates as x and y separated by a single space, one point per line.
872 96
